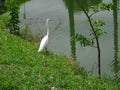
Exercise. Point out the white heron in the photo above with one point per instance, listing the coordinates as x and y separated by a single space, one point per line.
45 39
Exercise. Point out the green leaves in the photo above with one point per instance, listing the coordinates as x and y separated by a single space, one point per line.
84 41
102 6
22 68
13 9
106 6
4 20
98 23
89 41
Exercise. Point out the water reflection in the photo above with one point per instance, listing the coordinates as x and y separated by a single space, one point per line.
24 13
116 46
69 4
86 3
72 6
74 23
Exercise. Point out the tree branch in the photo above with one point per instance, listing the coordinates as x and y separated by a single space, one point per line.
96 37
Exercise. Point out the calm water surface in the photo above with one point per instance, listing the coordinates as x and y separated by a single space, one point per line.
38 10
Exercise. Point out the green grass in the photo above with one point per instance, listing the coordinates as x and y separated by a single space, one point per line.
23 68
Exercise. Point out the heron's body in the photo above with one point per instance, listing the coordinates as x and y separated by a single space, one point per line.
43 43
45 39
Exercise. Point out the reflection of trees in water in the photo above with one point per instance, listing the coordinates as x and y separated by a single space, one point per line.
73 6
69 4
86 3
116 46
72 29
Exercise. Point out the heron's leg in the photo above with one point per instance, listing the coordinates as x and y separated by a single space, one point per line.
46 51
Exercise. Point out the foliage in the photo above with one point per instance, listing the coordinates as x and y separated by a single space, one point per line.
97 26
27 34
106 6
4 20
89 41
84 41
96 31
13 10
22 68
102 6
2 7
11 21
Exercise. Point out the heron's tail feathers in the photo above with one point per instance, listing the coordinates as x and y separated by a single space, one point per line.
39 50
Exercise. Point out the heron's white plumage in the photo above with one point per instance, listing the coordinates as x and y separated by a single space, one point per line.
45 39
43 43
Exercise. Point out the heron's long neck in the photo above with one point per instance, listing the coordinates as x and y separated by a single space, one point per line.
47 28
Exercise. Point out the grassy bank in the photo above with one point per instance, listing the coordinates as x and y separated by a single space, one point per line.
22 68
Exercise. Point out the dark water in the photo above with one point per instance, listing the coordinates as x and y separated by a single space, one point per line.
37 11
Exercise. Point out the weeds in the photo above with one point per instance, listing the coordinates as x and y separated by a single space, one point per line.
22 68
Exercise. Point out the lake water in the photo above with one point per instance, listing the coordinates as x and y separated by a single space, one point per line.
38 10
